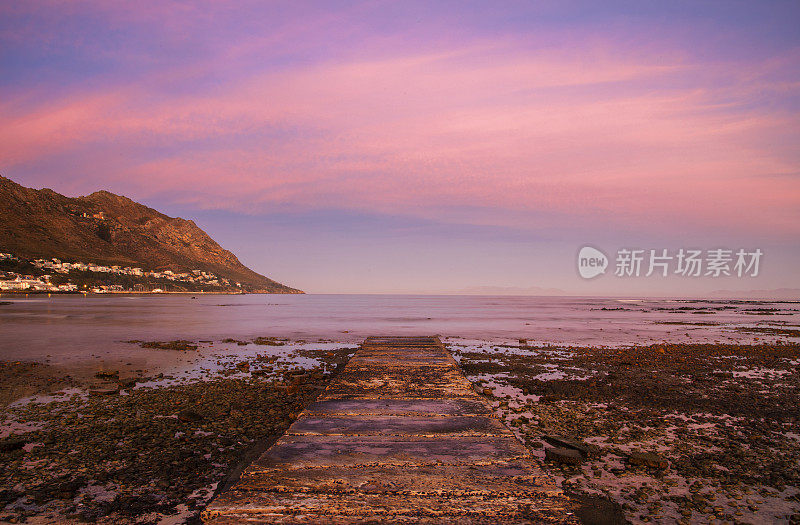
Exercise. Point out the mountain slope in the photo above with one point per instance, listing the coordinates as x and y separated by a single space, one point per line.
110 229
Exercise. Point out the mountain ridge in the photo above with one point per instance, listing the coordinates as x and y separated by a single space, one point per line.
106 228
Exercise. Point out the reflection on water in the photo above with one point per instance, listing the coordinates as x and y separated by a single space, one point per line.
67 328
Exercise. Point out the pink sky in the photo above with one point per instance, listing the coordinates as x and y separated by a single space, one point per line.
661 124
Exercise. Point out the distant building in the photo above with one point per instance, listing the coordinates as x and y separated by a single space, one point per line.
16 284
27 284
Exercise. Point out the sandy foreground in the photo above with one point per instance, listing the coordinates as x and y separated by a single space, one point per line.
705 433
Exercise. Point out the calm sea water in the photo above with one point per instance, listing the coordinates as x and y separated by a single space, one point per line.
69 328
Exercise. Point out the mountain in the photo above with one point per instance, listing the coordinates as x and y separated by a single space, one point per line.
109 229
775 293
510 290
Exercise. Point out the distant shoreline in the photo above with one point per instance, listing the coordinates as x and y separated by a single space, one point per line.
45 292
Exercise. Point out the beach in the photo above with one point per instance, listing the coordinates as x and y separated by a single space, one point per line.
668 433
148 429
150 449
399 262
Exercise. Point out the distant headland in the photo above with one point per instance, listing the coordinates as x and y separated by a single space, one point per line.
109 243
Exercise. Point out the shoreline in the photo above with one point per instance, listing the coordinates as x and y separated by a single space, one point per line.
114 448
131 292
43 375
187 361
681 403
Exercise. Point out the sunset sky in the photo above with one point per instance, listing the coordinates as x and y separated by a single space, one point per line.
423 146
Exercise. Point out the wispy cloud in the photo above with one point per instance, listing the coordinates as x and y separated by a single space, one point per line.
600 129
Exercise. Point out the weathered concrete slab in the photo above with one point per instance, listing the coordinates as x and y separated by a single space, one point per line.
398 437
395 425
322 451
407 381
267 507
411 407
503 478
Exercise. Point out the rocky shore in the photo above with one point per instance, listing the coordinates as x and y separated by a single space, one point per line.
683 433
149 449
670 433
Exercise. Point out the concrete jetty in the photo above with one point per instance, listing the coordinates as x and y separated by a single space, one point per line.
398 436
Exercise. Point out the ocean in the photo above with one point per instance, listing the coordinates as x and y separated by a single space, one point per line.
68 328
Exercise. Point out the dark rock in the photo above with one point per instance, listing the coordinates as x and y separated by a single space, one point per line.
12 443
299 379
169 345
564 456
188 416
268 341
597 510
565 442
104 391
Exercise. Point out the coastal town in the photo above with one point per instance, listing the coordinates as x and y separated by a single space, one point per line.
57 276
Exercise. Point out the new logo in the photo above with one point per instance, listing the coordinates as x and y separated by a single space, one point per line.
591 262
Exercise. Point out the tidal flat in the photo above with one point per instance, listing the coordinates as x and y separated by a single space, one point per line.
122 448
666 433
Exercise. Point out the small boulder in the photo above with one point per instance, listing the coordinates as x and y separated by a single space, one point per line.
299 379
128 383
11 444
268 341
104 391
189 416
648 459
565 442
563 456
